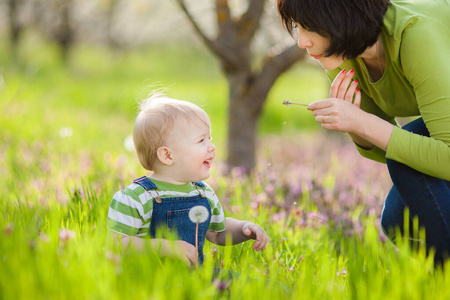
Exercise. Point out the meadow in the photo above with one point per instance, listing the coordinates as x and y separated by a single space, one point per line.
64 151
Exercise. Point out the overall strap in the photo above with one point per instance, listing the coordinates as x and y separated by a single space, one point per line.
200 184
146 183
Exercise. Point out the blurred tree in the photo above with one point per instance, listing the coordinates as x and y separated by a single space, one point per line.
53 19
15 27
111 11
63 34
249 84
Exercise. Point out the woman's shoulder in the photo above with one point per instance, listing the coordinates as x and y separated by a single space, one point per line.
404 14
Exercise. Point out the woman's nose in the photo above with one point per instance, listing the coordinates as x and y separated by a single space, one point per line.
303 41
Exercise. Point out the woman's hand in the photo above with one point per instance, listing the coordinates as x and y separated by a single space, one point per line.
341 111
344 88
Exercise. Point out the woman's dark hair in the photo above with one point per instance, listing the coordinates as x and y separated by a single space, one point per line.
351 25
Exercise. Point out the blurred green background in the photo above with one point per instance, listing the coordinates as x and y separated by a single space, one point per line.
95 95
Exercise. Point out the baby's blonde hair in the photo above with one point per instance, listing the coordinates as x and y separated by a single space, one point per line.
155 121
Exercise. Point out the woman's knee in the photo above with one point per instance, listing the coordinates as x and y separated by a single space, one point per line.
389 224
392 214
396 169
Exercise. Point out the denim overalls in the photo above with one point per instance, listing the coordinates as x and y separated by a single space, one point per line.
172 214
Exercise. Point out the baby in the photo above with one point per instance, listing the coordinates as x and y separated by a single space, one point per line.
173 140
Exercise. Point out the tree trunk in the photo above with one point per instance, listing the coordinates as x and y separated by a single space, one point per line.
14 26
242 124
64 32
248 86
110 19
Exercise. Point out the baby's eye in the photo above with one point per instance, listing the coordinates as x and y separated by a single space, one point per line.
201 141
210 138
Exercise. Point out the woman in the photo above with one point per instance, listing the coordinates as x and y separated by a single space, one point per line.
386 60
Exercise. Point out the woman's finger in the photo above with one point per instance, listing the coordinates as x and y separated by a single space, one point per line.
325 119
351 91
325 111
357 101
334 89
321 104
343 88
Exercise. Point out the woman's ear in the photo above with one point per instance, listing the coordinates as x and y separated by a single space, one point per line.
165 155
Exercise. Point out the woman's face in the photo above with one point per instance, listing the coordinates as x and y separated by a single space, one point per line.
316 45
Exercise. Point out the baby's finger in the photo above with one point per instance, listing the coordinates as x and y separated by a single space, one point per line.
257 244
247 231
265 242
186 260
193 259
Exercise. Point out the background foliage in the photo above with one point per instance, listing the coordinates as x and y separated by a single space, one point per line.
64 153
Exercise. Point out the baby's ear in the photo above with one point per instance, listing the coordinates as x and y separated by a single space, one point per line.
165 155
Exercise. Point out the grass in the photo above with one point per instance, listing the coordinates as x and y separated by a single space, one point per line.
62 135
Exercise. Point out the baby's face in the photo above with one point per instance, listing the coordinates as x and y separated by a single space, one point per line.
192 150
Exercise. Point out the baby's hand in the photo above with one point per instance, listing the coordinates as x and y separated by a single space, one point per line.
185 251
257 233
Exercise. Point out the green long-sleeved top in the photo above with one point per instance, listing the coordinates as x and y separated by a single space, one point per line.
416 81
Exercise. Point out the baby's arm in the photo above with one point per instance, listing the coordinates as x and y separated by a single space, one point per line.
162 247
240 231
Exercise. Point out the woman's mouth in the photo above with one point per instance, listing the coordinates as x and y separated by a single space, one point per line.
316 56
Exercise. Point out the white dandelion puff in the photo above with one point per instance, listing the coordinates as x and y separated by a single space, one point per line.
65 132
198 214
128 143
287 102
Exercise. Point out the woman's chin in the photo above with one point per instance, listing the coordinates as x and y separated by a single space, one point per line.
330 63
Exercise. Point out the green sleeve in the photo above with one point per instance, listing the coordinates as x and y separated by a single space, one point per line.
424 55
217 214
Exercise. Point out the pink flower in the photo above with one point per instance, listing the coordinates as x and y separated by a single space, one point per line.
66 235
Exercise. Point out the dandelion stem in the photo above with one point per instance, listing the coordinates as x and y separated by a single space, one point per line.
196 240
302 104
288 102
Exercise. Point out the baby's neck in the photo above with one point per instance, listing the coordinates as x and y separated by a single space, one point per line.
165 178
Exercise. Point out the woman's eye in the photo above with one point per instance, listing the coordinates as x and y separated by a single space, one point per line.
294 25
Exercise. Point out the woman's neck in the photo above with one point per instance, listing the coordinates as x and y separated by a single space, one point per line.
375 60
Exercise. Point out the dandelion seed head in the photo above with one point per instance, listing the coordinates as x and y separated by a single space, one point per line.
198 214
128 143
287 102
65 132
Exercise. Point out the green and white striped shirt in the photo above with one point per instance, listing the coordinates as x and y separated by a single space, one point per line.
130 211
